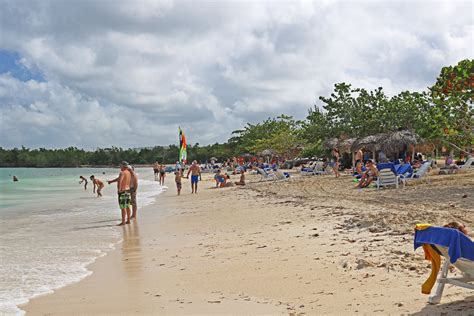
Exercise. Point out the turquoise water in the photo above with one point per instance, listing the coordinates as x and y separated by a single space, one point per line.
51 228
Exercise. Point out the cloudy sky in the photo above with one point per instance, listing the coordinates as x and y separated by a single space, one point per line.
128 73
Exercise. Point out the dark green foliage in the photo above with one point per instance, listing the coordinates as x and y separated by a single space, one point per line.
443 114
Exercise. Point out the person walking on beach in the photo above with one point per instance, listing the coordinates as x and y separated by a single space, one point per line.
156 170
83 180
336 155
177 179
195 171
97 183
133 189
162 175
123 191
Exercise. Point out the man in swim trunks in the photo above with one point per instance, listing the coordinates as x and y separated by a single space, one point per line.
369 175
133 189
177 179
195 171
358 161
97 183
123 191
83 180
156 170
162 175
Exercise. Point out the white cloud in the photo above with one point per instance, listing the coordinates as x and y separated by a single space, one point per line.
128 73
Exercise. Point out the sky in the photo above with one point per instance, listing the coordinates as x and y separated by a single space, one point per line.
129 73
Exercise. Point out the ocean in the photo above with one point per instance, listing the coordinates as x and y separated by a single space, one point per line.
51 228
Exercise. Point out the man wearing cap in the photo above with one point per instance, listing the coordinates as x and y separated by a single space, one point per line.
195 171
124 181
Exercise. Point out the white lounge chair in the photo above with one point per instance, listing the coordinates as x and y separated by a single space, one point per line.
318 168
468 164
264 175
280 175
386 177
464 265
419 174
456 248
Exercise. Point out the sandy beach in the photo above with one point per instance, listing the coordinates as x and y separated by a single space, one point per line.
311 245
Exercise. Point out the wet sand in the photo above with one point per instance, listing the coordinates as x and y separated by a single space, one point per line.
312 245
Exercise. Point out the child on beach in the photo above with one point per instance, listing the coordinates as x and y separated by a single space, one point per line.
242 178
83 180
177 179
97 183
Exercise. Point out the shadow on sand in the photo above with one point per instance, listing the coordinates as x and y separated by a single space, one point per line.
461 307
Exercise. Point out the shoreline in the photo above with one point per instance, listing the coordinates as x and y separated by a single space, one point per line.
284 247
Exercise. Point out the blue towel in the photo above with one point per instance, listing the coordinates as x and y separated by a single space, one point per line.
387 165
458 244
405 169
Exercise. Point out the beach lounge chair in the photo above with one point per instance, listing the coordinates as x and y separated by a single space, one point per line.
468 164
266 175
419 174
280 175
455 247
387 175
318 168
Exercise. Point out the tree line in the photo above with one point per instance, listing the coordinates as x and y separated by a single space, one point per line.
442 114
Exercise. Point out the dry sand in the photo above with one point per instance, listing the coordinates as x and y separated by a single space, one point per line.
313 245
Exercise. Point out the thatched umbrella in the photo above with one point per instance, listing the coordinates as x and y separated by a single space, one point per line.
397 141
371 142
331 143
345 145
267 152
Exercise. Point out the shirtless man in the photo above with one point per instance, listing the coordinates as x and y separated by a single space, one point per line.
97 183
123 191
195 171
358 161
133 189
83 180
162 175
369 175
156 170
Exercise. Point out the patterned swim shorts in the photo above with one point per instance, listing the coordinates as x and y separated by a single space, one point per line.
124 200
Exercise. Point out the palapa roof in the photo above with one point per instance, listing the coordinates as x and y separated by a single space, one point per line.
397 141
371 142
267 152
331 143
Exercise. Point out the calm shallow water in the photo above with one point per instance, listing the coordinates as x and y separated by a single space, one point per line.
51 228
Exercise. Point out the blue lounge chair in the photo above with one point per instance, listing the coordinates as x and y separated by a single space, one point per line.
455 247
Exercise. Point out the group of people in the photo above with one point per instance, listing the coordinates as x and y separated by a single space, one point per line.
127 186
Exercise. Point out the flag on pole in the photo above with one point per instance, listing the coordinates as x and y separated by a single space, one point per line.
182 146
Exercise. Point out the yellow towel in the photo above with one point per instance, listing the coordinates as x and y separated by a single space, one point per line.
422 226
433 255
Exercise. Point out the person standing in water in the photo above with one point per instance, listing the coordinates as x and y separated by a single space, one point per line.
123 191
162 175
97 183
83 180
195 171
133 189
156 171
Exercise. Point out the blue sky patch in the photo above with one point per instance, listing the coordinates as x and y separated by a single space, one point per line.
10 62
